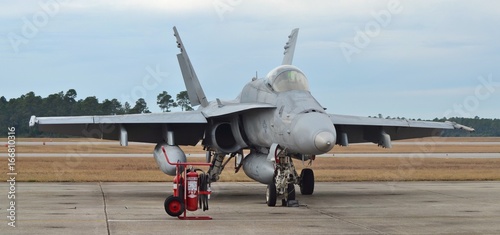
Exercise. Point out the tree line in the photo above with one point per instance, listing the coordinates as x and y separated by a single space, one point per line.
484 127
17 111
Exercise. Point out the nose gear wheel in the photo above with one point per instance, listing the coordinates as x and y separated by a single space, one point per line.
306 181
285 178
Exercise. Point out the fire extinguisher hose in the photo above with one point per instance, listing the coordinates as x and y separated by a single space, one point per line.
204 184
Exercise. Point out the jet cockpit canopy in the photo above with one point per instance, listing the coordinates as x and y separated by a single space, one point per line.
287 78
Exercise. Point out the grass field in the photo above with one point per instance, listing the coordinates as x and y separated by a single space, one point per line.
85 169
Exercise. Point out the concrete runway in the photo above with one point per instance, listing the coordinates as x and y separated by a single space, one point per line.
426 143
239 208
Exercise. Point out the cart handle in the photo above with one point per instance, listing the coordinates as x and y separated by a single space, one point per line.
183 163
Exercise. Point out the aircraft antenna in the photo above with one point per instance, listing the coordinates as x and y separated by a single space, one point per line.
256 76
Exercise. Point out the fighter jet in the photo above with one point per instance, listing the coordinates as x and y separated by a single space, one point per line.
275 120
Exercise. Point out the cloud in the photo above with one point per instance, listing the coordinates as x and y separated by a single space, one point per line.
430 49
168 6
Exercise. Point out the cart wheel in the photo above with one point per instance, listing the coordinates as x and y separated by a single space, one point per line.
174 206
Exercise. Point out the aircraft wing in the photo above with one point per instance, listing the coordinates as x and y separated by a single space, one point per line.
355 129
187 127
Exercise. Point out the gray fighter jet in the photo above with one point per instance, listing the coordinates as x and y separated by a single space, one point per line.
275 119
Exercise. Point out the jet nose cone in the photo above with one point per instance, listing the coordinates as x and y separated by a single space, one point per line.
324 141
311 133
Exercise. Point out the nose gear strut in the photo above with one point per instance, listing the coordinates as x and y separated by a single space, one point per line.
284 180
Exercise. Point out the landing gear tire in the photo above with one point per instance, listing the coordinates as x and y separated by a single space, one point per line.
306 181
271 194
291 192
174 206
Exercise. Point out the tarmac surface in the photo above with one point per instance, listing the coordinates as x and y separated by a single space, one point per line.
64 143
239 208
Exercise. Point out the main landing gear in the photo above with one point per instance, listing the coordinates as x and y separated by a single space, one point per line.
285 178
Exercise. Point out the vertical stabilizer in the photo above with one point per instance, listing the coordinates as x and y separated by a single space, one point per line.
290 47
193 87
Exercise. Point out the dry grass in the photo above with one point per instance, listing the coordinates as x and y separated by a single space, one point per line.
83 169
364 148
406 169
84 145
326 169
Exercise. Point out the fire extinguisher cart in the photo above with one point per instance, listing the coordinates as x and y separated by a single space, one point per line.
186 191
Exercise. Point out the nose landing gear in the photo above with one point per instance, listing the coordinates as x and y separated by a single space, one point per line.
285 178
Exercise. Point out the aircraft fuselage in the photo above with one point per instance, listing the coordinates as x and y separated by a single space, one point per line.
299 123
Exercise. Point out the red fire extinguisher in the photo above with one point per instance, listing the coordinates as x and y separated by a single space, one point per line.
192 191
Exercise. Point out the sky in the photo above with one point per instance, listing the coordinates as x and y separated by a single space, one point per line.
413 59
